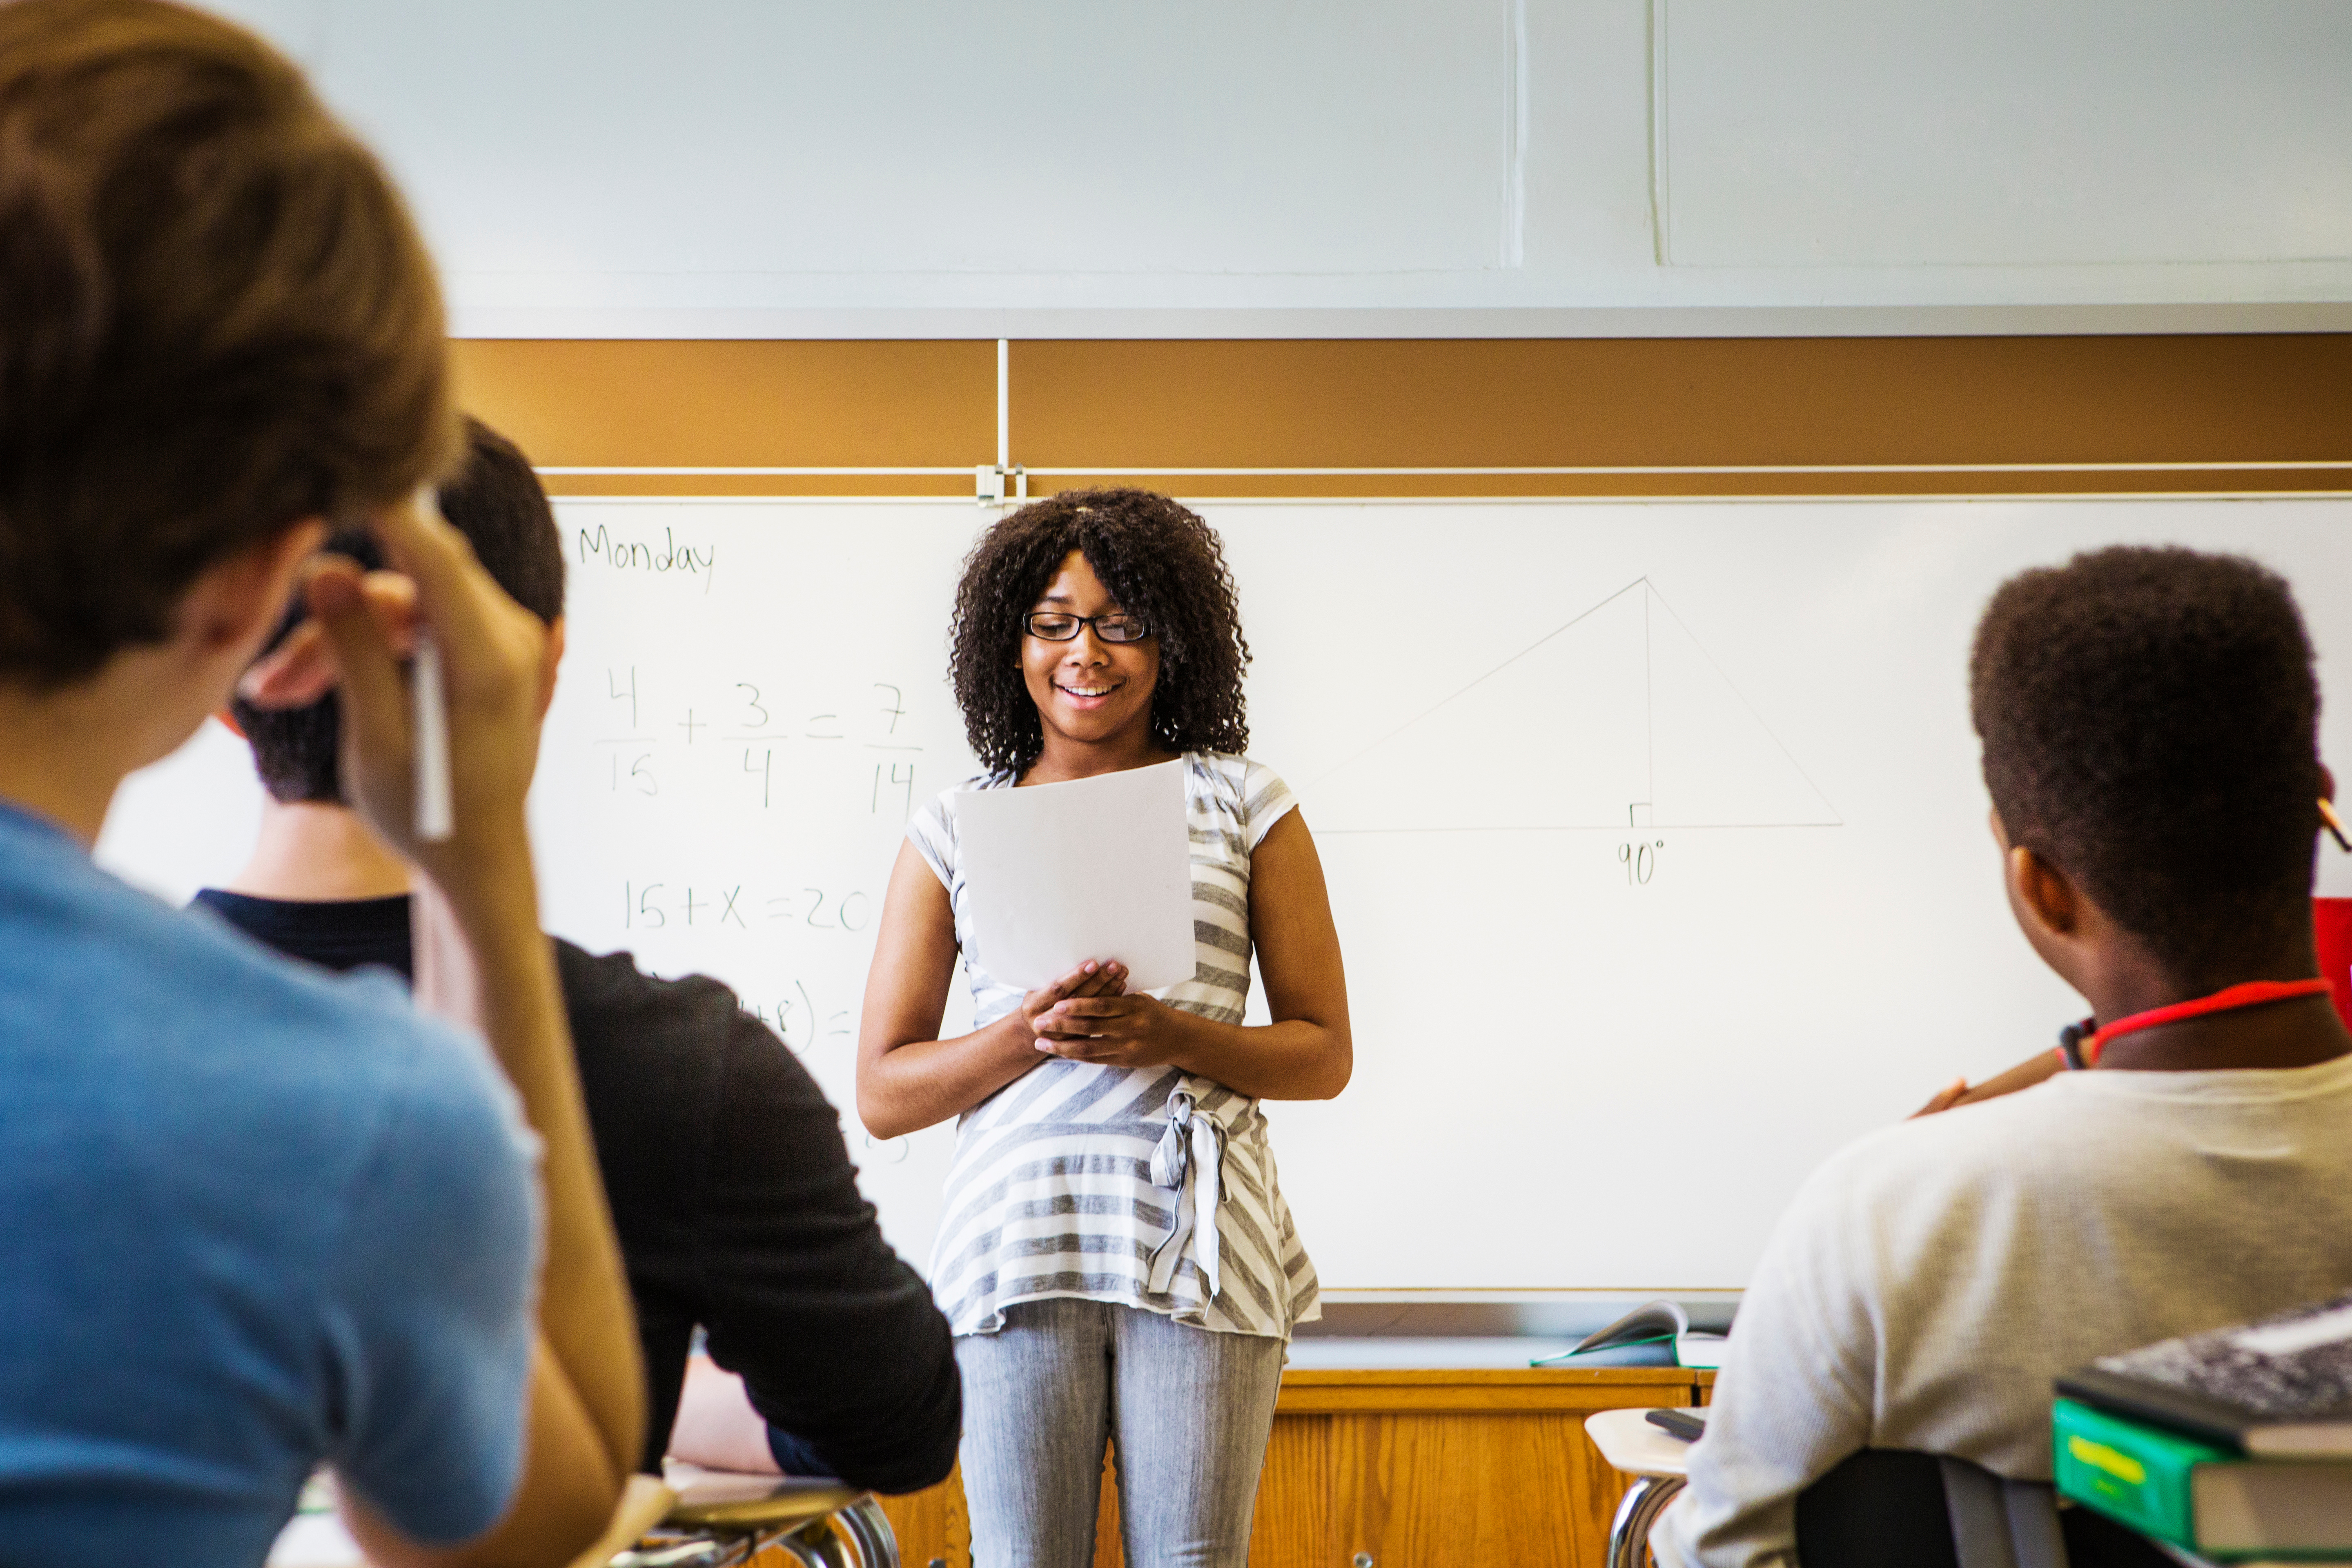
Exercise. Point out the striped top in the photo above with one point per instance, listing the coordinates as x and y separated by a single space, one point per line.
1146 1186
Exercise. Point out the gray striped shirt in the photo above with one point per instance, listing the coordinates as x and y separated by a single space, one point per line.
1149 1187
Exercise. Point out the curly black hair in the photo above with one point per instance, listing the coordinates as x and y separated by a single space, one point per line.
2150 723
1163 565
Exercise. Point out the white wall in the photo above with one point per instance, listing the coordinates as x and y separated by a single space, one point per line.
2012 134
734 167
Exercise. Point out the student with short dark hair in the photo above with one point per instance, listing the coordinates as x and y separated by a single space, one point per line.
736 1203
2149 728
259 1219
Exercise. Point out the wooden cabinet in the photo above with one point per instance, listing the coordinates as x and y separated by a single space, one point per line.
1415 1469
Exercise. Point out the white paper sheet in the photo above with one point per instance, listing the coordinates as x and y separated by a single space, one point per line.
1099 869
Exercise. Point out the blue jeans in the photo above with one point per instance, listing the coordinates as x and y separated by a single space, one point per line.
1188 1410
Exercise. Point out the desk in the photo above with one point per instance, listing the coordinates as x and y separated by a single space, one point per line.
1413 1466
1655 1460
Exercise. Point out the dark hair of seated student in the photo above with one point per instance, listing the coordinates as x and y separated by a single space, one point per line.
496 501
2150 723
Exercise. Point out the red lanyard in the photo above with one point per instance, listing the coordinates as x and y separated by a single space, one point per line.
2252 993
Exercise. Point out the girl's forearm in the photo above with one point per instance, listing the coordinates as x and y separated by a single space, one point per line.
1296 1058
924 1082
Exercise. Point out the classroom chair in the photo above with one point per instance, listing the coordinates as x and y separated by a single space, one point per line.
1888 1508
1882 1507
719 1517
1655 1459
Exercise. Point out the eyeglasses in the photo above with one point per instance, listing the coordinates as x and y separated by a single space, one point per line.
1052 625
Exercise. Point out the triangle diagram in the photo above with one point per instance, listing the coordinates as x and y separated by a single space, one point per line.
1617 719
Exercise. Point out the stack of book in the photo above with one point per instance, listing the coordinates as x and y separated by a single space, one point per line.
2230 1444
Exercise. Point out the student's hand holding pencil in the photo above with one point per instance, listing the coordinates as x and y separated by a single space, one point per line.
494 654
1943 1098
481 957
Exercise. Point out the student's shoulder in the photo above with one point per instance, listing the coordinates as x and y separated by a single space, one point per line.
1219 776
1237 770
1932 1160
255 1000
655 1055
942 806
651 1026
931 827
1242 786
211 1033
610 1000
354 1038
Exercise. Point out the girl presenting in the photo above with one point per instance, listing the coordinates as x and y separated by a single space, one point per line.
1115 1256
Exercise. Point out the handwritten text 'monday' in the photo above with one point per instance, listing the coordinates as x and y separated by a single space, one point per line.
629 555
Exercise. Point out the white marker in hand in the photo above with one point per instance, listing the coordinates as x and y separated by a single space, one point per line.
435 809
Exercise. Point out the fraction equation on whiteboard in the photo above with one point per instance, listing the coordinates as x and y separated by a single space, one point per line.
797 1019
757 743
710 906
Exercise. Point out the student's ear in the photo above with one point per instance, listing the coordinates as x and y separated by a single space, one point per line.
2040 895
555 660
2326 783
234 602
2044 892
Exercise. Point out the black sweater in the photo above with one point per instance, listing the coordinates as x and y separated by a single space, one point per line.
736 1204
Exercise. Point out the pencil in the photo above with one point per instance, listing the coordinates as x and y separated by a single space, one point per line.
2334 825
435 818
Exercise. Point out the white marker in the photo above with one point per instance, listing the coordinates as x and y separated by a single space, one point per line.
435 809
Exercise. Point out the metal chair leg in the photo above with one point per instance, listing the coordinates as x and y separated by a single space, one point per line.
869 1531
813 1547
1628 1533
859 1536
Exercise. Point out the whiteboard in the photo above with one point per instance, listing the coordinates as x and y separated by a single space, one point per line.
1654 832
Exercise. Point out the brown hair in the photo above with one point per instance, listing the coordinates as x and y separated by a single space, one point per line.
217 319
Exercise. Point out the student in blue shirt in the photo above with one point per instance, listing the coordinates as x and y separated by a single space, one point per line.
258 1217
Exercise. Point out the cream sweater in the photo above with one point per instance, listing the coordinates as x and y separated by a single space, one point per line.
1932 1278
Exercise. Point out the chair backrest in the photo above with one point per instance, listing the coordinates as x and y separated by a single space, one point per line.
1886 1507
1880 1507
